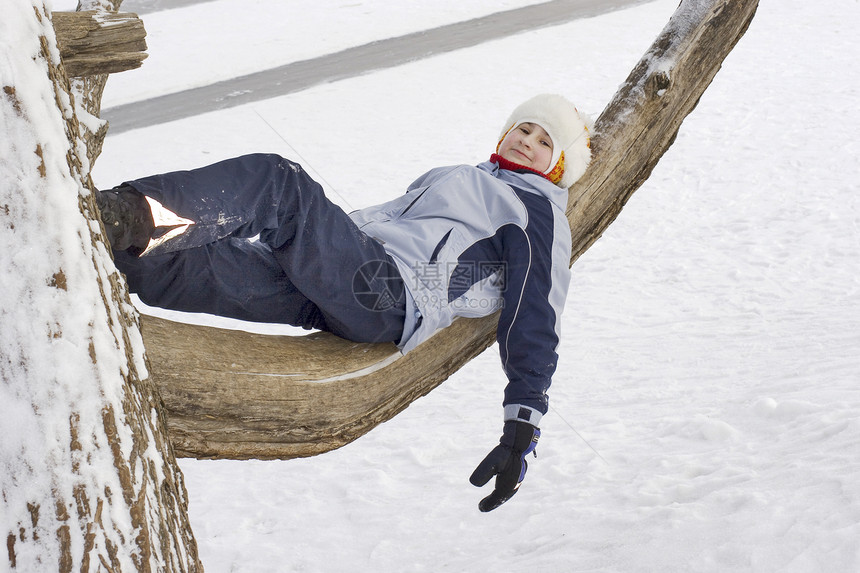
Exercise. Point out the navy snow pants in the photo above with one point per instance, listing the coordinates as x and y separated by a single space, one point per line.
311 267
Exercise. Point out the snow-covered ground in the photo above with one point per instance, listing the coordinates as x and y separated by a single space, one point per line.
705 412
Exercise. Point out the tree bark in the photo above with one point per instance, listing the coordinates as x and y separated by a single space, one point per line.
89 479
237 395
93 43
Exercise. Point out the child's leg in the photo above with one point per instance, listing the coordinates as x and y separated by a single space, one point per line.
232 277
325 257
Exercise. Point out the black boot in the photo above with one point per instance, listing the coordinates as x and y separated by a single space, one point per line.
126 217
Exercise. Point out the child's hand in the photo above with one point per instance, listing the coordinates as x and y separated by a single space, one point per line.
507 462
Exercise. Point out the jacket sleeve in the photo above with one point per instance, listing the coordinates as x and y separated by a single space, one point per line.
537 277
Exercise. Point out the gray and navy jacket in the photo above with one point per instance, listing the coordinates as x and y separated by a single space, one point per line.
471 240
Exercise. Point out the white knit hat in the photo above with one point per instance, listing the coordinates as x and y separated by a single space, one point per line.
569 130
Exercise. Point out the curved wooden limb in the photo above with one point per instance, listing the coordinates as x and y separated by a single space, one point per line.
237 395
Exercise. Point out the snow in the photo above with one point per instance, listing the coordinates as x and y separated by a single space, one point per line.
706 411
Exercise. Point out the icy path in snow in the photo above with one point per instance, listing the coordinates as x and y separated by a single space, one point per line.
353 61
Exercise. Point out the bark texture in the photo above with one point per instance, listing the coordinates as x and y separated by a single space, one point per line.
93 43
238 395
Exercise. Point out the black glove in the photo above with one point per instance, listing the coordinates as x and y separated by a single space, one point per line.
507 462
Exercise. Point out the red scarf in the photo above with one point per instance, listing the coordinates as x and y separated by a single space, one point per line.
511 166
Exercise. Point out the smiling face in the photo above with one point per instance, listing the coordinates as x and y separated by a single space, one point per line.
529 145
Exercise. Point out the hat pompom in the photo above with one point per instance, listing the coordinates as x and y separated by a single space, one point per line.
569 130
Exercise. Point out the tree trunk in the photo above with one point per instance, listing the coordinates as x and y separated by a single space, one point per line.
89 479
237 395
93 43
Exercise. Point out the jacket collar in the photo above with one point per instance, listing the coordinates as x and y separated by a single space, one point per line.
526 179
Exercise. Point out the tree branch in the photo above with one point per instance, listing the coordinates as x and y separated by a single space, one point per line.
93 43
